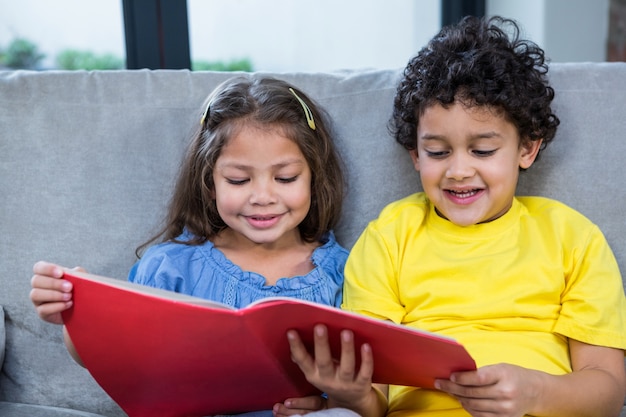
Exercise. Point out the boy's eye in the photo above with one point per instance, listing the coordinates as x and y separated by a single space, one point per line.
286 180
482 153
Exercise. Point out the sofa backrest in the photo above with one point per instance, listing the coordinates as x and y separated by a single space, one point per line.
87 161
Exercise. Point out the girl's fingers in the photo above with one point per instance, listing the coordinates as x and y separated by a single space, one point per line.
348 357
41 296
50 283
299 354
323 355
47 269
366 370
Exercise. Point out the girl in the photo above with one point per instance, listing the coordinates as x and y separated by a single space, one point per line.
252 213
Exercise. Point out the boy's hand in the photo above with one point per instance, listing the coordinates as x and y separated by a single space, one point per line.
495 390
50 294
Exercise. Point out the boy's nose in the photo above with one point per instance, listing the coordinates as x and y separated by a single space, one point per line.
460 167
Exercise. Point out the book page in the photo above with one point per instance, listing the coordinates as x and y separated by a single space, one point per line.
144 289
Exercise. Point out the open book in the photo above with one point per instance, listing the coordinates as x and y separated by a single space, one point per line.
158 352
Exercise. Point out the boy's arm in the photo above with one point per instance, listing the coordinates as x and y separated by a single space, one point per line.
595 388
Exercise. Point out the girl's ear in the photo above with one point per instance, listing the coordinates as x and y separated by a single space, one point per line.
529 152
415 159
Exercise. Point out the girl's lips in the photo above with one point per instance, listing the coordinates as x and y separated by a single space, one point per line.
464 197
263 222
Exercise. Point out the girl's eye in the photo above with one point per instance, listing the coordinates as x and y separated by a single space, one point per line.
286 180
436 154
236 182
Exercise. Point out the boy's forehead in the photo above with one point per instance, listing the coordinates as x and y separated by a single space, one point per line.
477 121
475 110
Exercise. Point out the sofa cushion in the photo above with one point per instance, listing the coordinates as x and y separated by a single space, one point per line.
27 410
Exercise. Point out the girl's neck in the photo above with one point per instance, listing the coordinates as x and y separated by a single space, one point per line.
273 261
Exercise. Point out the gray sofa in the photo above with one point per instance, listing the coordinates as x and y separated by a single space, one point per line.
87 161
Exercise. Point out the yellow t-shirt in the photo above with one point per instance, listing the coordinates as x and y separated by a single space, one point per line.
512 290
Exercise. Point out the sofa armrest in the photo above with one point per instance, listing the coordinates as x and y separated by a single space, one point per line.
2 336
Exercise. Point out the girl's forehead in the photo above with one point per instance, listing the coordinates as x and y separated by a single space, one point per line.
252 125
255 143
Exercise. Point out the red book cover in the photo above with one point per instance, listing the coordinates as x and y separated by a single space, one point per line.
158 352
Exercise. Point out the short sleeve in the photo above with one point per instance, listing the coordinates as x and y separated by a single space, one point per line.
593 303
370 286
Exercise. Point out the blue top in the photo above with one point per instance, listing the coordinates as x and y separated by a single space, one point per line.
203 271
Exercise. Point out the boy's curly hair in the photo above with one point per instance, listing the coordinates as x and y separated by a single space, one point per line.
477 63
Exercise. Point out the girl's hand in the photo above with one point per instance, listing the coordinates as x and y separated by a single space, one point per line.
496 390
302 405
345 386
50 294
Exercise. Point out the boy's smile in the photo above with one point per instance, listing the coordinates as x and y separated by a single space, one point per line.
469 160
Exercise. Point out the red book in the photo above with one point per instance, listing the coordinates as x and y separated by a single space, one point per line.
157 352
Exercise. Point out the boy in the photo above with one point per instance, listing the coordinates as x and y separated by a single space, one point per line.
526 284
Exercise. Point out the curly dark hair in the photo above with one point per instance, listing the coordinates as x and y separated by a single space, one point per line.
267 102
478 63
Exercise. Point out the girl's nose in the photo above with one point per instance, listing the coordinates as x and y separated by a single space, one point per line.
263 193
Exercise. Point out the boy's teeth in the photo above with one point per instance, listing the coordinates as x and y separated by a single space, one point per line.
464 194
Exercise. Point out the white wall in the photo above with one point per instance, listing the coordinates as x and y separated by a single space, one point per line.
287 35
568 30
297 35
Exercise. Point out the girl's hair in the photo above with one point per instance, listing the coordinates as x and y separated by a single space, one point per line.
476 63
267 103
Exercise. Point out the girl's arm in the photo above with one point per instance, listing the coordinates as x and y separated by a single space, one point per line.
70 347
595 387
51 294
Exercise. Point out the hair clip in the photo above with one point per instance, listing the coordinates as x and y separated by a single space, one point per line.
206 113
307 110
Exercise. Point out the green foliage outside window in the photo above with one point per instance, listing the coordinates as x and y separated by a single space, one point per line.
21 54
71 59
24 54
235 65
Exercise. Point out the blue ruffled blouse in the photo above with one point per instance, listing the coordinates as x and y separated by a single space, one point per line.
203 271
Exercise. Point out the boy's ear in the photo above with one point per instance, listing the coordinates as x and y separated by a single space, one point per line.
415 159
529 153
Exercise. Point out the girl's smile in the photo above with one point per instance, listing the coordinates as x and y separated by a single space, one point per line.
263 222
262 187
